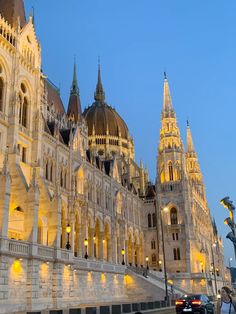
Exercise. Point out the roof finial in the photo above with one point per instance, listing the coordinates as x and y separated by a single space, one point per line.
99 94
187 122
74 87
165 76
167 103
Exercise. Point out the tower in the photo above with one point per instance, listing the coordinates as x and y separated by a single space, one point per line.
172 190
74 107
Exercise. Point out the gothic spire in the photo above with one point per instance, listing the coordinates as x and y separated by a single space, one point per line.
99 94
74 107
74 86
167 103
190 147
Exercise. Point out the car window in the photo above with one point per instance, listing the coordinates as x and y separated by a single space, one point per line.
190 297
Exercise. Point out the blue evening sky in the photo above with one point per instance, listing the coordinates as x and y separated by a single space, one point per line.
137 40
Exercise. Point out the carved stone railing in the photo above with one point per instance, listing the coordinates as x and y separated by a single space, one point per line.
47 252
18 247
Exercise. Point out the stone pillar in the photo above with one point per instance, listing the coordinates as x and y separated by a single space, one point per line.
80 242
133 258
109 246
138 254
5 190
31 215
126 252
54 223
100 243
91 243
72 236
118 250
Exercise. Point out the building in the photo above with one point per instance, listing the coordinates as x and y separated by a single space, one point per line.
74 204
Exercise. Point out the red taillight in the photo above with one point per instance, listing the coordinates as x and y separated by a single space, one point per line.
179 302
196 302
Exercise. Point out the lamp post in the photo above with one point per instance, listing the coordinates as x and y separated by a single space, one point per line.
164 256
147 259
201 264
213 266
123 255
68 231
230 260
160 262
227 203
86 245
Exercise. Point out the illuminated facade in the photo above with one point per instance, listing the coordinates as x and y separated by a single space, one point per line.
70 189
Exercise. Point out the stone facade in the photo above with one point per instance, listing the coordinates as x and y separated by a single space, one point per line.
73 199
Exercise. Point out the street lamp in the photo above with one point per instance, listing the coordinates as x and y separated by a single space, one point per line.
227 203
160 262
213 266
201 264
68 231
147 259
230 260
164 256
123 255
86 245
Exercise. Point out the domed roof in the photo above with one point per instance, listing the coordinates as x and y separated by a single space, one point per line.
102 117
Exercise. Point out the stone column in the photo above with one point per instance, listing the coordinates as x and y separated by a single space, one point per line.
138 254
5 190
133 258
126 252
54 223
91 243
101 245
80 241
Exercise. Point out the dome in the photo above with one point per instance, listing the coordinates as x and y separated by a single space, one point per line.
102 118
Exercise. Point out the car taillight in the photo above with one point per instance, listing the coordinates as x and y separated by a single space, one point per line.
179 302
196 302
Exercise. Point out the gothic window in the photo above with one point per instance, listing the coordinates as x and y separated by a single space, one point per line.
175 254
178 174
154 258
178 253
171 177
177 236
173 236
61 179
23 112
153 244
149 221
154 220
1 93
173 216
51 172
46 170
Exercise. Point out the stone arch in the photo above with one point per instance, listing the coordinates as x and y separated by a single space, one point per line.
173 215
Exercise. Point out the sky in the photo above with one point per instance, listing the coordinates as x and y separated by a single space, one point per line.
137 40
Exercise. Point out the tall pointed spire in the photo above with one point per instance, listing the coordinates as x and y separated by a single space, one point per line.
74 107
190 147
74 87
99 94
167 102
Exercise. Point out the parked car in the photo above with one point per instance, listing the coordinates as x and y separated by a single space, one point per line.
194 303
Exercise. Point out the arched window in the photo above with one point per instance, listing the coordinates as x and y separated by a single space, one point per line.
51 172
175 254
178 174
154 220
173 216
1 93
149 221
46 170
171 178
154 258
61 180
23 112
178 254
153 244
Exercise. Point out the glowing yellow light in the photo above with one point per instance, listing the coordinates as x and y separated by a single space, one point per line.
86 242
170 282
68 229
103 241
123 252
165 209
94 238
160 262
17 268
147 258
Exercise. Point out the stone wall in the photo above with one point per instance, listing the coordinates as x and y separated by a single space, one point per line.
35 285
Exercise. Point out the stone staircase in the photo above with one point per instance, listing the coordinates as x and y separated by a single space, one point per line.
157 279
